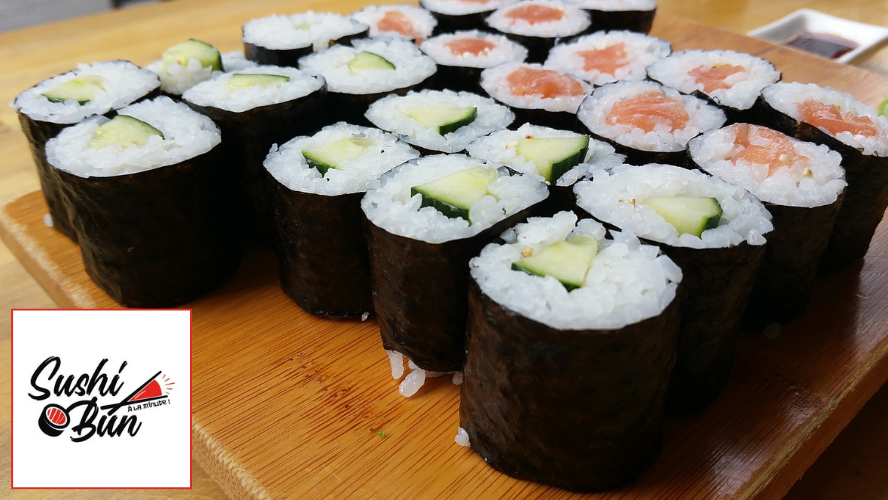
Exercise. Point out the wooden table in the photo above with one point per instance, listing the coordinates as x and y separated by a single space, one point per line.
851 468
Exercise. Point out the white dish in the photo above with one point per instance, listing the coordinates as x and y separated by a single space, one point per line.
865 36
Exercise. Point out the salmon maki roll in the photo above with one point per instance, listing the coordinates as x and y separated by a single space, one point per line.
631 15
602 58
539 24
405 21
456 15
462 56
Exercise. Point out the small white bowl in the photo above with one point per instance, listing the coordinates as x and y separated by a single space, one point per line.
865 36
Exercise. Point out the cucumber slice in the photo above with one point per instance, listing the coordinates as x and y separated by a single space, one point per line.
204 53
567 261
125 131
240 81
453 195
334 154
553 156
81 89
689 214
443 120
369 60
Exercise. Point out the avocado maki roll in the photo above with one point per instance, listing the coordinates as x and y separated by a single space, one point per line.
539 25
631 15
282 40
607 57
316 186
570 345
461 57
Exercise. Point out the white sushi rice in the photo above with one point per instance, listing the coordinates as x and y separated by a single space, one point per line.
216 93
391 207
504 50
641 50
186 134
175 79
411 66
463 7
745 86
390 113
573 21
422 20
614 5
314 29
493 81
786 97
289 167
815 179
595 110
124 82
627 282
500 147
617 197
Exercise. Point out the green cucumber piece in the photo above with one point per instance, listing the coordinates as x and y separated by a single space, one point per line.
453 195
369 60
81 89
125 131
689 214
240 81
443 120
204 53
567 261
334 154
553 156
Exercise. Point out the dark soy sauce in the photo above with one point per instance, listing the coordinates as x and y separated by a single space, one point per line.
822 44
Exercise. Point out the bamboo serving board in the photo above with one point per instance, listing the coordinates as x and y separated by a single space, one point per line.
287 405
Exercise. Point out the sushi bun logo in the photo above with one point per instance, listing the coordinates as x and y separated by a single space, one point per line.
101 407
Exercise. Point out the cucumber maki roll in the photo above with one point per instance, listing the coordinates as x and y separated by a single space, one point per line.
282 40
406 21
631 15
424 223
186 64
317 184
607 57
716 233
461 57
801 185
539 24
456 15
570 344
59 102
152 194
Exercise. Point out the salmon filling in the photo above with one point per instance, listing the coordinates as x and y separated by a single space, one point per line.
713 77
763 146
397 21
607 60
469 46
535 14
830 118
544 82
647 110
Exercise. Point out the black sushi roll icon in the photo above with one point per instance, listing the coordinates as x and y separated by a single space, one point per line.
53 420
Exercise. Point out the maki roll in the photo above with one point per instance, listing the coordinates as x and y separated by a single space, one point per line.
406 21
801 184
537 94
255 108
439 120
647 122
282 40
54 104
570 344
539 24
152 196
184 65
559 157
858 133
371 69
428 218
631 15
607 57
715 232
316 186
461 57
731 80
456 15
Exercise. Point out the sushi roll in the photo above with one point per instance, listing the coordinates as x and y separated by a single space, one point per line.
731 80
570 344
631 15
539 24
607 57
559 157
186 64
371 69
439 121
407 21
536 94
255 108
153 197
716 232
858 133
424 223
316 186
647 122
56 103
461 57
456 15
802 185
282 40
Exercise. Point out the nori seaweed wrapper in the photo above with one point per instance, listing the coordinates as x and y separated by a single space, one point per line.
640 156
321 251
561 120
290 57
577 409
631 20
419 292
456 78
162 237
450 23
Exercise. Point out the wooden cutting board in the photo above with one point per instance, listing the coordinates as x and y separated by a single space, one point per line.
287 405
